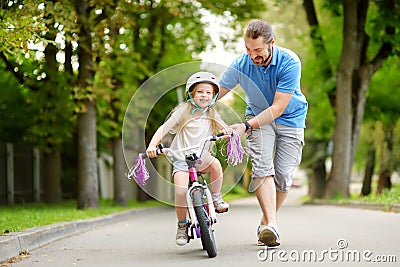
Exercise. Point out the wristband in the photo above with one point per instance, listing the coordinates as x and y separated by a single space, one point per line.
248 126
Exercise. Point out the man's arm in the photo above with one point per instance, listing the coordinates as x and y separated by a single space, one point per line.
223 91
280 103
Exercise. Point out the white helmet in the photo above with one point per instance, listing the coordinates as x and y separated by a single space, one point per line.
201 77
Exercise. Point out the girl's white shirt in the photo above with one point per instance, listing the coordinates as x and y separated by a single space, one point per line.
191 133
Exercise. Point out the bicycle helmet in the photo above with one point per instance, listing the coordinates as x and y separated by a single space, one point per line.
201 77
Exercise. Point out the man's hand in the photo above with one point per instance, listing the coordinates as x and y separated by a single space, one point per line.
240 128
226 131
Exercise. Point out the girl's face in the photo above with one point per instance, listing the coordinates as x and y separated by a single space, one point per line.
203 94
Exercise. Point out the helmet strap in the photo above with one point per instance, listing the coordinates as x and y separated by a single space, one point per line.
196 107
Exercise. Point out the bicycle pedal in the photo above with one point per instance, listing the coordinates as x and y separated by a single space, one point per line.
221 211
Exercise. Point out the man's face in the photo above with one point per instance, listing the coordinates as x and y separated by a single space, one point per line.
258 50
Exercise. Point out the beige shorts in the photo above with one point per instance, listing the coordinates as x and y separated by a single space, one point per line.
182 165
275 150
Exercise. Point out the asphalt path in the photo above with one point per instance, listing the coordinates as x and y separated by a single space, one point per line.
311 234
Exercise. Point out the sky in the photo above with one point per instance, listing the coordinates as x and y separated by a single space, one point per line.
217 26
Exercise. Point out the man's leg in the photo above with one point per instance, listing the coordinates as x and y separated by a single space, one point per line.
280 199
267 198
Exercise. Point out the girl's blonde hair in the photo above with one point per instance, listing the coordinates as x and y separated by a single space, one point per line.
187 115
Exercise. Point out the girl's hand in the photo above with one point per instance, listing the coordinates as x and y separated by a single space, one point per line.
151 151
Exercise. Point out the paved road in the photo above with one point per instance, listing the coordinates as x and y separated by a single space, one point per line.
326 234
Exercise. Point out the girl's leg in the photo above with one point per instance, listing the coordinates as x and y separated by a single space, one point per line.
181 180
216 173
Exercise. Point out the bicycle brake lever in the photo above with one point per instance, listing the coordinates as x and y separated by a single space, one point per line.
215 136
160 149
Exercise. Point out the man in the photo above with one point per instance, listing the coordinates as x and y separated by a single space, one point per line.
275 119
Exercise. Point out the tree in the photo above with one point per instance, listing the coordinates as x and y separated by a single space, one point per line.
45 91
363 51
356 68
321 116
157 34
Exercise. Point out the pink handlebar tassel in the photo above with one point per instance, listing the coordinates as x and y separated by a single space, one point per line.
234 150
139 171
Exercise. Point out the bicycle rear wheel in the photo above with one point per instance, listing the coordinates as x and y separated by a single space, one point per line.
206 232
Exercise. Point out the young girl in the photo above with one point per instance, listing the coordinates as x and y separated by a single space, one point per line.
192 121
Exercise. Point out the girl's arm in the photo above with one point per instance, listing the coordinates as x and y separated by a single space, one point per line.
225 129
158 135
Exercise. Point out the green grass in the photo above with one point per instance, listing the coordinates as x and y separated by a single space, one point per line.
20 217
391 196
387 197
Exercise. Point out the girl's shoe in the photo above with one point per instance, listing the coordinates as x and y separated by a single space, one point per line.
219 204
182 234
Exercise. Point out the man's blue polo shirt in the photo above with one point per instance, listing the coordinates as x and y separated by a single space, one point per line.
260 84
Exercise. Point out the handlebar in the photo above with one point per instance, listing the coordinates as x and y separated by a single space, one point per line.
212 138
234 154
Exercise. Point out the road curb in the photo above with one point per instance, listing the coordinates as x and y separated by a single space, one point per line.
16 243
395 208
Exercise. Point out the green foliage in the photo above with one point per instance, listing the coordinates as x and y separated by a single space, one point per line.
383 99
51 106
320 117
13 110
383 25
20 24
381 110
153 36
131 41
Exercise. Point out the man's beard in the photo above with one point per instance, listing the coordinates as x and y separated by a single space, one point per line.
264 61
259 63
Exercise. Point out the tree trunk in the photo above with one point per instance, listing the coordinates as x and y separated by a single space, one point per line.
52 176
369 171
317 182
87 139
316 152
52 155
385 164
120 195
338 183
87 158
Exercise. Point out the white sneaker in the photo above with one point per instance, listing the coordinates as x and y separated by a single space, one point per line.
182 235
219 204
268 236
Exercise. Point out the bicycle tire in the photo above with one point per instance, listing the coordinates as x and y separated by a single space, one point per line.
206 232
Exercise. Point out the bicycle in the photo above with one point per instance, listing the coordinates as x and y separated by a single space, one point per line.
200 206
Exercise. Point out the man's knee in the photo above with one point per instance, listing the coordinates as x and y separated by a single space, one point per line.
283 181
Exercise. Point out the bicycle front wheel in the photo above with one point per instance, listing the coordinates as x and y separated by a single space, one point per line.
206 232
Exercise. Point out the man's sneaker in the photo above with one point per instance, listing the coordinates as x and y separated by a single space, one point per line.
268 236
182 234
219 204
